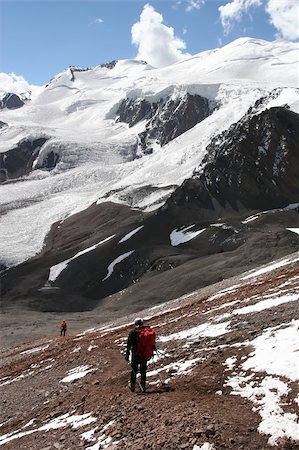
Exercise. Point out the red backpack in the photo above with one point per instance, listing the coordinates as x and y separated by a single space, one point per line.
146 340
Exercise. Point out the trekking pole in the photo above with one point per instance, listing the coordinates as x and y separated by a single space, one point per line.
165 386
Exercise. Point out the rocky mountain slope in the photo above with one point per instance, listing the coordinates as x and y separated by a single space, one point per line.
225 377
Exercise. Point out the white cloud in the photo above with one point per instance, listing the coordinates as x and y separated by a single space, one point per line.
97 21
157 44
177 4
233 11
194 4
13 83
284 16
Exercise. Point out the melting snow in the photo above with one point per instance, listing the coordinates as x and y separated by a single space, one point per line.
88 435
205 446
294 230
223 292
75 421
91 347
103 440
77 372
116 261
276 352
76 349
205 329
34 350
178 237
56 270
178 368
270 267
266 304
127 236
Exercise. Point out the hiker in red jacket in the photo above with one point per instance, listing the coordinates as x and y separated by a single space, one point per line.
141 343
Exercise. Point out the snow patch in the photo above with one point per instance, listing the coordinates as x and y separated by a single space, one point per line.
34 350
75 421
56 270
178 237
129 235
75 373
266 304
116 261
273 351
294 230
270 267
207 329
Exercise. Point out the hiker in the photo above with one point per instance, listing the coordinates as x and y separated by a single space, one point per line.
141 343
63 327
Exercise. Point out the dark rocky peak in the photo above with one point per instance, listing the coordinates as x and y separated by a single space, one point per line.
262 102
253 165
18 161
3 124
11 101
71 70
174 117
74 69
109 65
49 162
166 119
132 111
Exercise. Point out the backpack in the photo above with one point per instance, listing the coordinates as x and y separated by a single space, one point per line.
146 339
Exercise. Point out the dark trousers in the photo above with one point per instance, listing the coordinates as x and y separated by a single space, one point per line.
138 363
62 331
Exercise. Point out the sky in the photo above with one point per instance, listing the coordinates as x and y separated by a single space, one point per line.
39 39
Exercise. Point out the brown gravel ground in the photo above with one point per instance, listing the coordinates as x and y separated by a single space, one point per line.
198 409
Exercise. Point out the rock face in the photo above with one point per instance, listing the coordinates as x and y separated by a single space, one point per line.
11 101
18 161
166 119
109 65
253 165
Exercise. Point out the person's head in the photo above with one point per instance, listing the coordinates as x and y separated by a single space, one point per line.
138 323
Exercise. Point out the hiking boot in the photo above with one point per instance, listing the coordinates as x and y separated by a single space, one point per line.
132 387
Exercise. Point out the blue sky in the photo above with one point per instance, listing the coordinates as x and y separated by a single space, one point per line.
41 38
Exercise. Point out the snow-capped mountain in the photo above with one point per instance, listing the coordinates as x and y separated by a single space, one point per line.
123 177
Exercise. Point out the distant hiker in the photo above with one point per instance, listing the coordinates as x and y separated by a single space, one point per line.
141 343
63 327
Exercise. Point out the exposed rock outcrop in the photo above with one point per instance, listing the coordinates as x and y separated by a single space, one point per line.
253 165
166 119
109 65
18 161
11 101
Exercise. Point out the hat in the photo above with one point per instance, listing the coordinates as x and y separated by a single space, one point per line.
138 322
